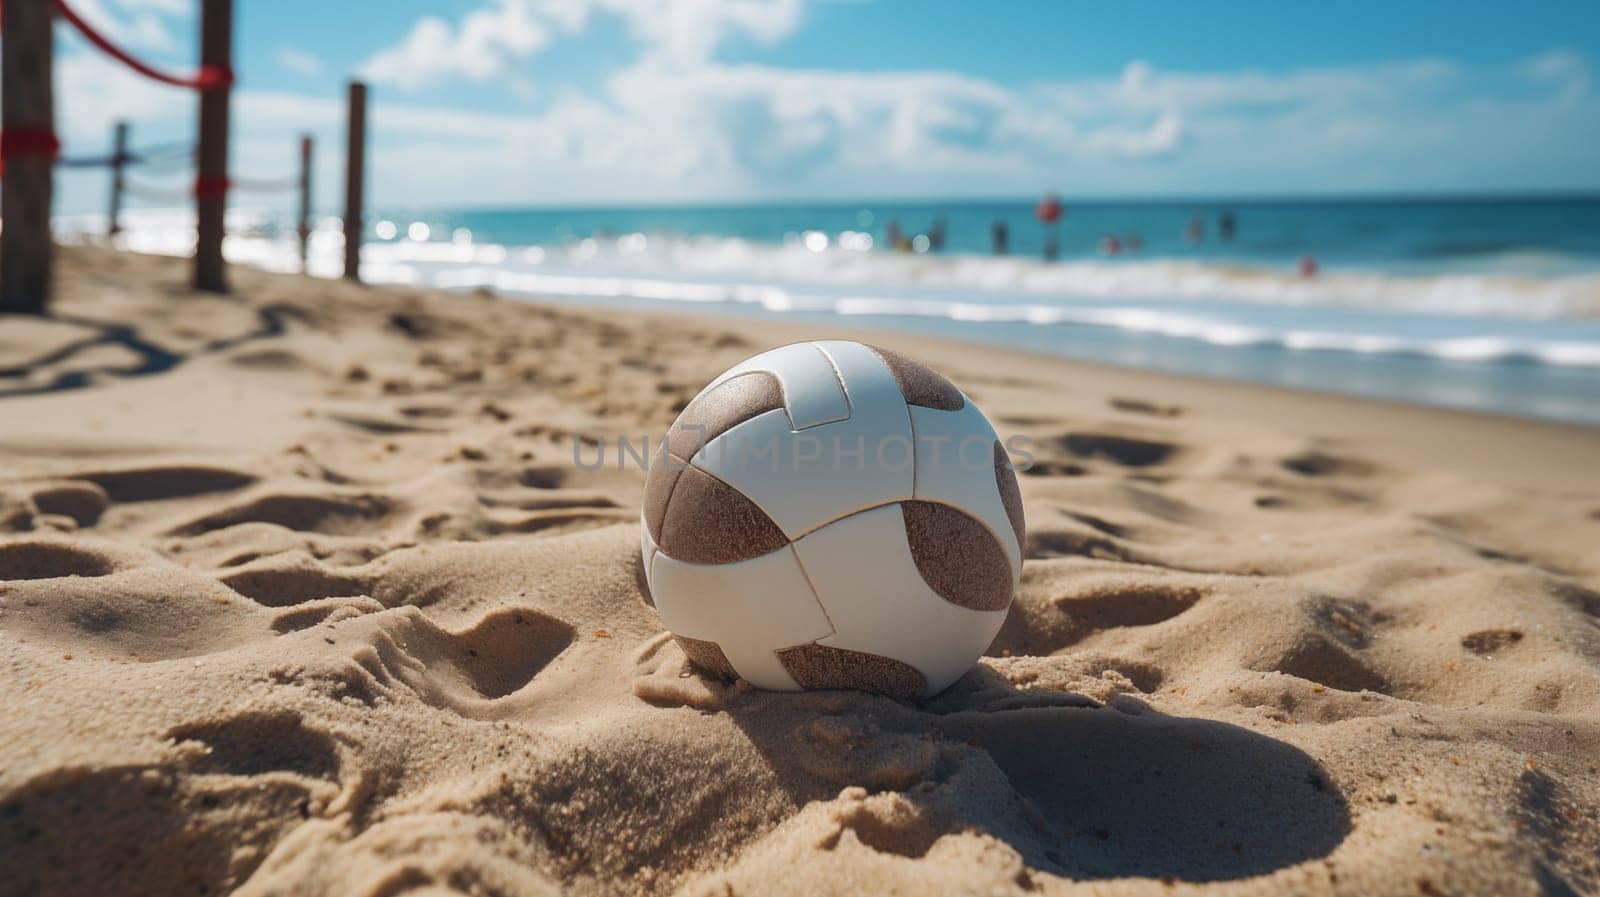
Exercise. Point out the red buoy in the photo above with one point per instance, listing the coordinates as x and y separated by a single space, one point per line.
1049 209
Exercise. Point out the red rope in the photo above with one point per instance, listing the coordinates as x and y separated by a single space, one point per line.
27 142
206 186
209 77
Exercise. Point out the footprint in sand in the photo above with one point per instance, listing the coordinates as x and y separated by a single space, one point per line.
81 502
429 412
1319 464
1491 641
464 671
1315 657
1127 451
1144 406
301 512
293 578
505 650
40 559
380 425
1055 543
320 611
147 829
160 611
1144 604
139 484
255 742
1049 468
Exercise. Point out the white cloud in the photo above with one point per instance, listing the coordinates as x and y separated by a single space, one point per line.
135 24
491 42
686 121
94 90
181 9
1564 68
1162 137
663 130
1142 86
485 46
298 62
687 31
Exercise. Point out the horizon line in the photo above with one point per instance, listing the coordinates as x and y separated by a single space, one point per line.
1212 200
1556 195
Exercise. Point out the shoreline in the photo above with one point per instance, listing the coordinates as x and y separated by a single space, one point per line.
1509 331
1521 450
1417 434
1561 447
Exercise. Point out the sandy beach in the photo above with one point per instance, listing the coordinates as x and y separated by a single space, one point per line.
301 592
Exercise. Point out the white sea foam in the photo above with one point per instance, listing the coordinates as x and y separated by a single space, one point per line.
1190 300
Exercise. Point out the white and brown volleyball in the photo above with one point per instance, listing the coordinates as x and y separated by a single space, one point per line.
833 515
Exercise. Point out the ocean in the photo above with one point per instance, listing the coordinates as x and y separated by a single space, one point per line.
1486 305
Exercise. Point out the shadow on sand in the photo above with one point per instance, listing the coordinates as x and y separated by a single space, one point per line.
152 358
1103 791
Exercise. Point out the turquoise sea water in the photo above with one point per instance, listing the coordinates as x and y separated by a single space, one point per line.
1546 237
1480 304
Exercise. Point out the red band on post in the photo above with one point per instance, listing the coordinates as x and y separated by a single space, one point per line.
212 77
206 187
29 142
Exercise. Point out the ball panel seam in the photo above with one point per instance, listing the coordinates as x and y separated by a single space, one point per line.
866 579
808 402
749 608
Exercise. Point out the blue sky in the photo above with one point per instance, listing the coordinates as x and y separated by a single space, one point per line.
560 102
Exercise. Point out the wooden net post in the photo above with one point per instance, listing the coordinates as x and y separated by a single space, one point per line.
119 158
354 178
211 178
27 145
303 225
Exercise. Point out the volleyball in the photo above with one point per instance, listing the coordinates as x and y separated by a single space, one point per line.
832 515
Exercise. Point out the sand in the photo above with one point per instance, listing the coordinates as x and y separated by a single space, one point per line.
302 593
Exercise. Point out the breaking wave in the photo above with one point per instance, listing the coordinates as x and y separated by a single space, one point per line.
1478 317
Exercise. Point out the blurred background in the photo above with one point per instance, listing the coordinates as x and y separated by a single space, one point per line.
1392 200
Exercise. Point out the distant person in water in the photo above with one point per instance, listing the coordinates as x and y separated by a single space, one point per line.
1135 241
1307 266
1110 245
1049 212
1227 225
936 234
1195 231
895 238
1002 236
